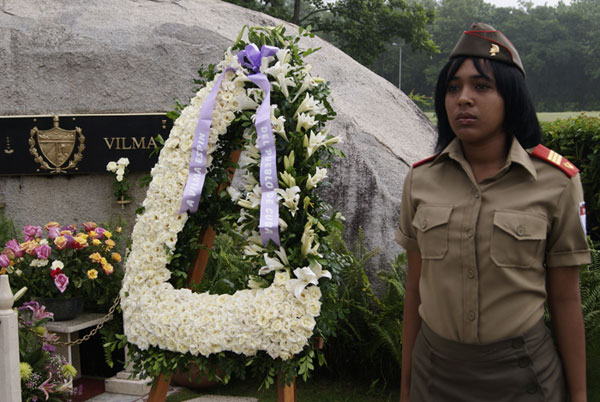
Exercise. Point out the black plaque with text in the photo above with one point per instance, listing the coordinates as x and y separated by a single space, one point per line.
72 144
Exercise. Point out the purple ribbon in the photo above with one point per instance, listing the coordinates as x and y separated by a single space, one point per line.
197 170
268 226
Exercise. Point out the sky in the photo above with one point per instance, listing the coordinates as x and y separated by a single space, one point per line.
515 3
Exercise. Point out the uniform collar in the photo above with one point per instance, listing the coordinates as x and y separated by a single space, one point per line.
516 154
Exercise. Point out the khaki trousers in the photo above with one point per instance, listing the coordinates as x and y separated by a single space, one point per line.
522 369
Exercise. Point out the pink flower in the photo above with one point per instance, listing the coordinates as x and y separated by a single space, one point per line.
16 248
53 232
4 261
88 226
32 232
100 233
43 252
61 281
39 311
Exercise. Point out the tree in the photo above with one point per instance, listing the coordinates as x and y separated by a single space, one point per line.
361 28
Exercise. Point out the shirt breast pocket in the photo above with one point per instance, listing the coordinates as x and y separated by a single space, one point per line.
431 222
517 238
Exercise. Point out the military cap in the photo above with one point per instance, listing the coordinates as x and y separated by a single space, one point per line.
483 40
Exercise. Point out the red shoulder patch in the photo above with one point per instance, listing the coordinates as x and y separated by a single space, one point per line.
548 155
419 163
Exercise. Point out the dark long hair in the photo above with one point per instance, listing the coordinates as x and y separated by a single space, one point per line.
520 120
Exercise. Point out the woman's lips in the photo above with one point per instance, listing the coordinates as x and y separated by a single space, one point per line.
465 118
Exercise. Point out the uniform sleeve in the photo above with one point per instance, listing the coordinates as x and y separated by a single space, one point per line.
567 245
406 235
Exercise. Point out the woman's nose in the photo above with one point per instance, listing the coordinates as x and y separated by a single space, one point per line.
465 97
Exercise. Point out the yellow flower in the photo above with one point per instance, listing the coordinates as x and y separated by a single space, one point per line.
103 261
52 224
96 257
96 242
25 371
92 234
61 242
68 370
116 257
109 244
108 234
108 269
92 274
119 228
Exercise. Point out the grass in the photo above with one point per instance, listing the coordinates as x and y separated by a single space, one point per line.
544 116
316 390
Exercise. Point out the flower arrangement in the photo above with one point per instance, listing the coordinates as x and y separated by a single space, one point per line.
45 375
120 185
276 313
64 261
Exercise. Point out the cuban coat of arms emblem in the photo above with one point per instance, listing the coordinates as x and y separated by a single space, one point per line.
57 147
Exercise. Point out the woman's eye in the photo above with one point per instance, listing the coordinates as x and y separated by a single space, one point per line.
452 88
482 86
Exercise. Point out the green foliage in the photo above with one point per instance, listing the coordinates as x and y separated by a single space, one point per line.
361 28
556 44
7 228
577 140
368 341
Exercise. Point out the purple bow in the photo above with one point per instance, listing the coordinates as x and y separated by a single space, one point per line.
251 57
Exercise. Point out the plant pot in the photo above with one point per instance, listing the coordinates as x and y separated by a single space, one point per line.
63 309
193 378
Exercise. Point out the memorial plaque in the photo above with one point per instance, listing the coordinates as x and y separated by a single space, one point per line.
72 144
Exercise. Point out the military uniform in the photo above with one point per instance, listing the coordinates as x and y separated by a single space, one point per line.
485 249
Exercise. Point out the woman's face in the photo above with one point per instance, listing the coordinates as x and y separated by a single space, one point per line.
475 108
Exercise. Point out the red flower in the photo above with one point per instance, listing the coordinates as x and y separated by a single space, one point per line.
55 272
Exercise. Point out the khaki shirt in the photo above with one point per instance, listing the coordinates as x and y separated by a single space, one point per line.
485 247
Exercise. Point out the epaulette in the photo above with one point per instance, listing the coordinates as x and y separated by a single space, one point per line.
419 163
548 155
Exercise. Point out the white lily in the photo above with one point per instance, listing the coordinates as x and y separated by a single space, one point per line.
234 193
288 161
313 141
273 264
282 255
290 197
310 105
318 270
244 102
253 249
305 121
279 71
305 276
312 181
306 84
287 179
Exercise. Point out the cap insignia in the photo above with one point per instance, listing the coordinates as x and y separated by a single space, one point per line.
494 50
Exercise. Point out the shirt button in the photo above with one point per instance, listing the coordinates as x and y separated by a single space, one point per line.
517 343
476 193
523 362
470 274
469 233
471 315
520 230
532 388
424 223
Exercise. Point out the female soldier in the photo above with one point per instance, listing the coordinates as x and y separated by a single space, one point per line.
494 227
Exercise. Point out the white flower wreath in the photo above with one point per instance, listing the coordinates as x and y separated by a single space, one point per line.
278 319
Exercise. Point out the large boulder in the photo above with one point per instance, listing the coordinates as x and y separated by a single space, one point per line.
116 56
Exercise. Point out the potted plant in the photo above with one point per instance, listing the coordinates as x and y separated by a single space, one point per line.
63 265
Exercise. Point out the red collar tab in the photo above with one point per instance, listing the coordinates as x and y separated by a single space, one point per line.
548 155
424 160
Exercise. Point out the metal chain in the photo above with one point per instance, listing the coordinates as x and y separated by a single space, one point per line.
79 341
